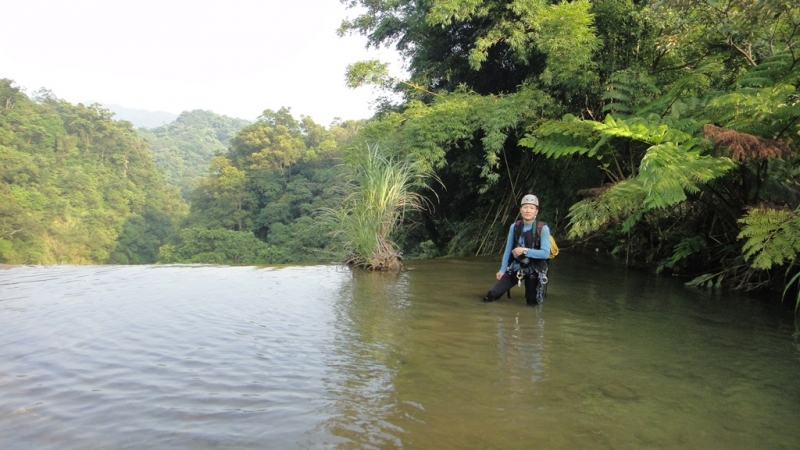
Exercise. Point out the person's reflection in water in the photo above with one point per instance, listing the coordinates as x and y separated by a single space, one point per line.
522 351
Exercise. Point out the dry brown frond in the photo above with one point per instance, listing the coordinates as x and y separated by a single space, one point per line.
743 146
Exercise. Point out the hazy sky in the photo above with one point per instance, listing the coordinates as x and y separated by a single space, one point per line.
233 57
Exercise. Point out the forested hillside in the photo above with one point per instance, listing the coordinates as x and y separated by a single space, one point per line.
260 201
77 187
183 148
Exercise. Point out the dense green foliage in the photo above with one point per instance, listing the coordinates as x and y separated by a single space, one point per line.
217 246
657 125
182 149
76 186
270 184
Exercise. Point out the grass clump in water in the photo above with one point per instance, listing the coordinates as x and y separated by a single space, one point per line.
380 190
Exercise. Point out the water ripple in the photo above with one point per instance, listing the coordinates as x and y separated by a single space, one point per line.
319 357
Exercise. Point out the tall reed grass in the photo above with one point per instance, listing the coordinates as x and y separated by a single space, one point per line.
380 190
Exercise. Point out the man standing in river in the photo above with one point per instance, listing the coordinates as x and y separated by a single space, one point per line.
525 256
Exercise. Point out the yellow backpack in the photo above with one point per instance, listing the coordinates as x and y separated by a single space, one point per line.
553 247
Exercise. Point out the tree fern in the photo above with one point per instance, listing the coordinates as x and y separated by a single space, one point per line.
765 101
627 90
671 166
557 138
769 71
669 170
621 202
684 89
666 173
649 130
773 236
764 112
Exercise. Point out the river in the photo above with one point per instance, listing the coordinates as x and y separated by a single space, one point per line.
213 357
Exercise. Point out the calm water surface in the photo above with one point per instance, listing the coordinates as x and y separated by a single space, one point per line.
198 357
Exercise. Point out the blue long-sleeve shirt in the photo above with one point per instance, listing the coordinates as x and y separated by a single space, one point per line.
542 253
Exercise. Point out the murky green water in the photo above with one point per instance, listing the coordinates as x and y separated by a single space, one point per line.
321 357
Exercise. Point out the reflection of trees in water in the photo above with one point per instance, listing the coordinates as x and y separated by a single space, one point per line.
521 350
371 324
416 359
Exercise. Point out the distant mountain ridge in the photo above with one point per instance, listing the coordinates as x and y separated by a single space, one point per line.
182 148
140 118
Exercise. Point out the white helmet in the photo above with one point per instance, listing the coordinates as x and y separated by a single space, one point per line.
530 199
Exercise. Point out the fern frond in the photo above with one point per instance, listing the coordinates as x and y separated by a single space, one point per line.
650 130
681 88
669 170
773 236
768 71
554 147
557 138
708 280
623 96
687 247
755 81
621 201
743 146
755 111
616 107
688 126
627 90
569 125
